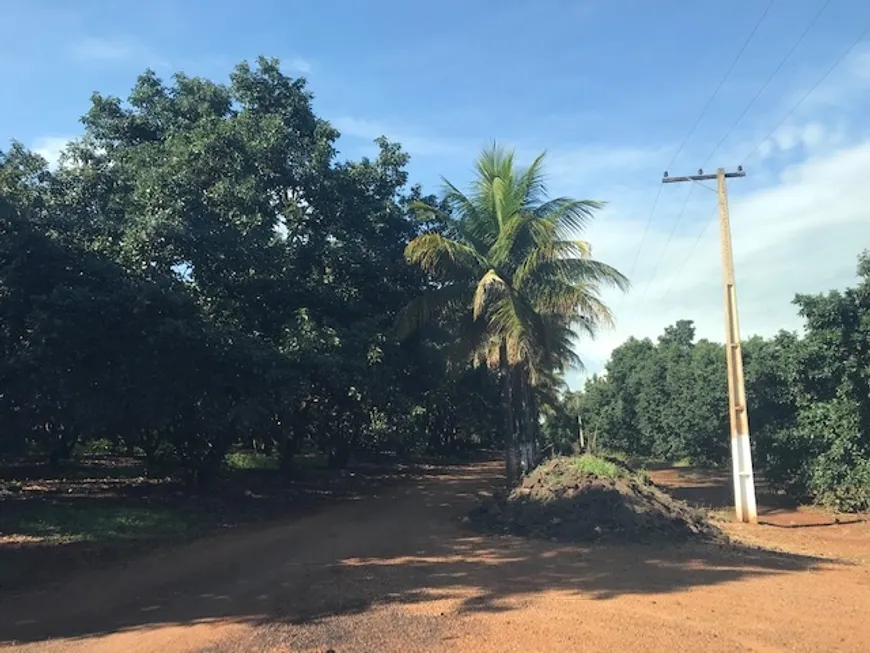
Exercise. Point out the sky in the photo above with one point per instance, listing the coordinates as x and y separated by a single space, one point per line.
614 91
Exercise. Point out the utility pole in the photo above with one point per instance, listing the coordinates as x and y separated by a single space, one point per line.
741 454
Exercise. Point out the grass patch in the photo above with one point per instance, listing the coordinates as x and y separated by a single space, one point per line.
55 523
251 460
247 460
589 464
613 454
99 509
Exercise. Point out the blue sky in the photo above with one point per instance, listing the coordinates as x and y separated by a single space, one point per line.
610 89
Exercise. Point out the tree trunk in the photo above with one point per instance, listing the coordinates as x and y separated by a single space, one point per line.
522 410
530 423
510 449
339 455
62 446
530 427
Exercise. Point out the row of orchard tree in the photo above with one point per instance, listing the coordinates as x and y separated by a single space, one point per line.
808 398
202 271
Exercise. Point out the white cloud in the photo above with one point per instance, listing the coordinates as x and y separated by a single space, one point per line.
300 65
811 136
50 148
415 145
567 167
845 83
799 233
116 51
799 221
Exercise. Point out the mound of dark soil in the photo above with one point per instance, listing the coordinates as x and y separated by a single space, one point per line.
561 501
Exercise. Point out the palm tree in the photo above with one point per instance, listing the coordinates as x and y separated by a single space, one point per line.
508 259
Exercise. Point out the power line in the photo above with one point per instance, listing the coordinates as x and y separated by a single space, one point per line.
691 251
667 242
700 117
768 80
723 80
788 115
806 95
746 109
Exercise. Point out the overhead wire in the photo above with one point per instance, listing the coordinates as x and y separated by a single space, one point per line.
812 89
768 80
746 109
769 135
742 115
691 131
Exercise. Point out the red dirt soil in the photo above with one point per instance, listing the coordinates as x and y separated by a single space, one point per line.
401 572
781 523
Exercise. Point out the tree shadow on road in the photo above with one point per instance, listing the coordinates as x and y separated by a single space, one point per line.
410 549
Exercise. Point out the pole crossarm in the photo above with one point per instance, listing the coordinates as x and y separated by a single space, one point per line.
702 177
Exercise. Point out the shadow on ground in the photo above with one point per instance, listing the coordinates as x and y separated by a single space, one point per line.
102 510
408 548
712 489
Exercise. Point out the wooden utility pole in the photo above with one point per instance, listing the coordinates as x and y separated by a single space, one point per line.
741 454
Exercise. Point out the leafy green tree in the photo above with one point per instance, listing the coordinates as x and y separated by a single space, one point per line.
807 398
833 421
509 257
664 400
203 272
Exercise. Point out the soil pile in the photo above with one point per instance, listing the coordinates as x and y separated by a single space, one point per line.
563 500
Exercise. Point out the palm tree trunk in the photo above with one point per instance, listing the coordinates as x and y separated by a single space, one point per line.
521 413
528 422
510 449
536 430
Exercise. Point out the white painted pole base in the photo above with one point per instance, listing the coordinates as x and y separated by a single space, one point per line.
744 481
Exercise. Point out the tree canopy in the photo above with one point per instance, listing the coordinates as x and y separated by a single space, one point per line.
505 260
808 399
204 271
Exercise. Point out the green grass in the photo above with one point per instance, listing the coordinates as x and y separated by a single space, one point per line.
613 454
251 460
590 464
55 523
248 460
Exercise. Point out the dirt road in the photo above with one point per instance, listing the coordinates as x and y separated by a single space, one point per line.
401 572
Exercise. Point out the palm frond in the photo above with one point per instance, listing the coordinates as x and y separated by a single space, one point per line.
570 216
464 208
507 241
425 211
499 198
560 348
456 226
473 221
444 257
493 190
472 344
489 283
548 252
569 302
576 271
515 322
532 184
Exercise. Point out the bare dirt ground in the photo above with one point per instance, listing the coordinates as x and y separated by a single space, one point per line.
782 524
400 571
